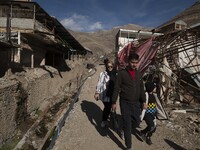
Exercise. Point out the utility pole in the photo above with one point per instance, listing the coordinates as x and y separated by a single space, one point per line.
8 26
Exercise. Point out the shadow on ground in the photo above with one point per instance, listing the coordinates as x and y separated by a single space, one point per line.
136 133
174 145
94 114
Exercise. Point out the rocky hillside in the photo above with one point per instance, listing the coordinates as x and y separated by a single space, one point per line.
102 42
191 16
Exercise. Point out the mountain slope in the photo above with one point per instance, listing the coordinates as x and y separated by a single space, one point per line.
191 16
102 42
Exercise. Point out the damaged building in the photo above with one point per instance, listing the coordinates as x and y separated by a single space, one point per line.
39 62
41 39
179 54
169 53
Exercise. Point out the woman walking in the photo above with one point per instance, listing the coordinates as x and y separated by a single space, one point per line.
104 90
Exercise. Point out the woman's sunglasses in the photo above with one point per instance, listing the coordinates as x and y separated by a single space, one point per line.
110 66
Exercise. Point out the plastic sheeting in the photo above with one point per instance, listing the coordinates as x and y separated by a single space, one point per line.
146 51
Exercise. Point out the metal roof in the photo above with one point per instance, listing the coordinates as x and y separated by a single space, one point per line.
140 32
50 22
67 37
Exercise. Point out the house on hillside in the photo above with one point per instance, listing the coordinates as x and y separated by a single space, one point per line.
125 37
40 38
183 20
173 26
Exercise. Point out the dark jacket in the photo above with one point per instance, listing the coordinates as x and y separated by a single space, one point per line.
111 82
128 89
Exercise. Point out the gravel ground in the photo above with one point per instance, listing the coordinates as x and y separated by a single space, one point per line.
82 129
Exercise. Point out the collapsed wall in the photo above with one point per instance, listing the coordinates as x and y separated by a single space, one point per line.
25 92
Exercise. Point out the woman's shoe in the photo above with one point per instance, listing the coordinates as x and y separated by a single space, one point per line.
104 124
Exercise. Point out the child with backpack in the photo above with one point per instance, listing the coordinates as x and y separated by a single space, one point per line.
150 113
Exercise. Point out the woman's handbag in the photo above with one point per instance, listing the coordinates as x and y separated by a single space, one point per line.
114 120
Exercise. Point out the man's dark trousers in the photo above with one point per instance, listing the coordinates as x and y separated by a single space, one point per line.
130 114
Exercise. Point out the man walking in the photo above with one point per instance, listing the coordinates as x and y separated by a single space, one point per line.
129 86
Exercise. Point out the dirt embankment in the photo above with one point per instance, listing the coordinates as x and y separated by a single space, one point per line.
25 95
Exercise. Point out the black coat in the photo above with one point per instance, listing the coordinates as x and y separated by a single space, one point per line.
128 89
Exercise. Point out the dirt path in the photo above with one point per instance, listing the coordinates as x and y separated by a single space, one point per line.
82 129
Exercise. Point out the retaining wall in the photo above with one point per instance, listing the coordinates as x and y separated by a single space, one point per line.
23 93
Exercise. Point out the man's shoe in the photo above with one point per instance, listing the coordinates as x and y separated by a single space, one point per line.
121 134
148 141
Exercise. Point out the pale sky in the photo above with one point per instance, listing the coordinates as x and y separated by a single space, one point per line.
94 15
